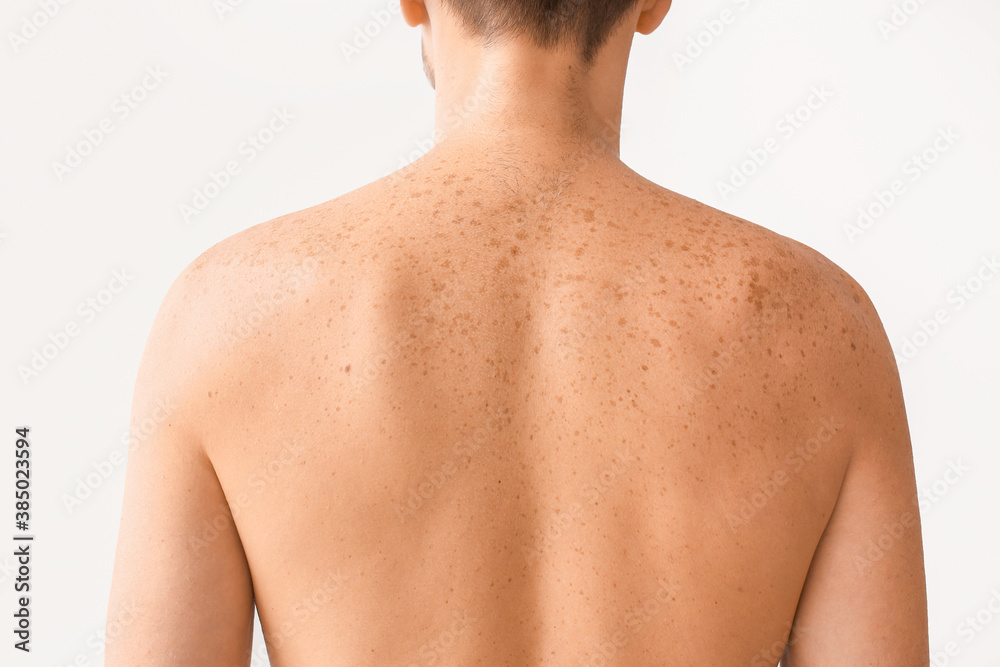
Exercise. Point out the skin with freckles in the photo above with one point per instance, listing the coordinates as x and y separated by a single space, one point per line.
515 404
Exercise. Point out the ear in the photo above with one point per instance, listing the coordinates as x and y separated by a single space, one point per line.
652 15
414 12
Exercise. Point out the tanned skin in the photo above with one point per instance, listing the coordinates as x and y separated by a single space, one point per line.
517 405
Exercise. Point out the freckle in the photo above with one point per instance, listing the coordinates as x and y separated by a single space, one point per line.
588 215
579 251
655 342
853 346
621 321
210 394
347 368
325 357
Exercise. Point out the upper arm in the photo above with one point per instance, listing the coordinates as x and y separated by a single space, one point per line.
181 590
864 598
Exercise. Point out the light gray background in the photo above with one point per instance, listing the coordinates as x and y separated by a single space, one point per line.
62 239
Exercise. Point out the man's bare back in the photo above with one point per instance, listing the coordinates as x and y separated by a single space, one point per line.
578 420
517 405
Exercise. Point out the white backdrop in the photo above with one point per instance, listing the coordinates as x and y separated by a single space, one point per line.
866 129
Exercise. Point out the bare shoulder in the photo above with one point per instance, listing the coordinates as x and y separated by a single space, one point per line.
223 302
788 271
268 264
824 329
262 266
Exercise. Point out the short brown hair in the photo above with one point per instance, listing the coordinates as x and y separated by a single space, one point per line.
548 23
